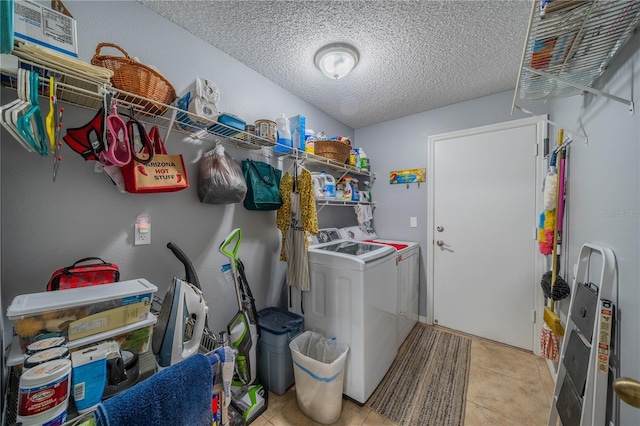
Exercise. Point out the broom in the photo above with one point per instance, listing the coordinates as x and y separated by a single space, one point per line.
550 317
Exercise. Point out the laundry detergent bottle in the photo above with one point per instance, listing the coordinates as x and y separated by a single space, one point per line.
330 185
284 136
364 160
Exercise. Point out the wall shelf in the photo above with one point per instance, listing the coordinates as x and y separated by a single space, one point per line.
82 90
570 44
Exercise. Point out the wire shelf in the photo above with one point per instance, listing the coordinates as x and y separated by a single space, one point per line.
88 92
570 45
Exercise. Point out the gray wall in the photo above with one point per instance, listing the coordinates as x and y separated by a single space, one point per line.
604 196
402 144
603 193
48 225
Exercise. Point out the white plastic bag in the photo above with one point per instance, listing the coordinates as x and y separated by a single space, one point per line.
318 368
220 180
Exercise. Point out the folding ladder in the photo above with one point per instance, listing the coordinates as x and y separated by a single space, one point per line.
580 394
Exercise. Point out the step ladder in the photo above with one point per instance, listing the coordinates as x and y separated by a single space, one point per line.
580 394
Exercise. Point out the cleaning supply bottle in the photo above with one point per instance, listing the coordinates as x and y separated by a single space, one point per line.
364 160
284 136
352 157
308 141
329 184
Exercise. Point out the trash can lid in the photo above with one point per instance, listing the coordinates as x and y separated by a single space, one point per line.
279 321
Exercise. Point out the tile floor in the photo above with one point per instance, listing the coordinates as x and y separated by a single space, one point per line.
507 386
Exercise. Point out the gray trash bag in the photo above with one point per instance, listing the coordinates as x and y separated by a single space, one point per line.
220 179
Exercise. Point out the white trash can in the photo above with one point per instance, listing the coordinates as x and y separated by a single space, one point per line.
318 369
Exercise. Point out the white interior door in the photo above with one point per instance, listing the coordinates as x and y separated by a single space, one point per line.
484 218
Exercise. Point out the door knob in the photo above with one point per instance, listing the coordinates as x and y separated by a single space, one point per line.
439 243
440 228
628 390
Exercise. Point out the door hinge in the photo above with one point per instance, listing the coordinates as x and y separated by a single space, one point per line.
537 150
535 234
533 316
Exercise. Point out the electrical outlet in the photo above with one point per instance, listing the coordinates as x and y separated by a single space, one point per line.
142 230
413 222
142 235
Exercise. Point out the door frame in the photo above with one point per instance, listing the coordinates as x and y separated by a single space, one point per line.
539 261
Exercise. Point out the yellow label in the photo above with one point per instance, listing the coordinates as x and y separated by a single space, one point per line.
108 320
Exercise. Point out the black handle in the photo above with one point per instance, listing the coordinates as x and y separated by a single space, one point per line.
190 271
85 260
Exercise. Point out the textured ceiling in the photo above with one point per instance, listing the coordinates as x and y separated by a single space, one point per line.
414 55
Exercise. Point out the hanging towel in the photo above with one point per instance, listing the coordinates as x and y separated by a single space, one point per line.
179 395
364 214
296 249
222 365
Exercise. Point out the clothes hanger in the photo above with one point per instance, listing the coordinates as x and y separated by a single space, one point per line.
30 124
51 121
57 158
18 110
5 112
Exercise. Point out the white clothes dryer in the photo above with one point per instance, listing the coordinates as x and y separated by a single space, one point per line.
408 261
353 299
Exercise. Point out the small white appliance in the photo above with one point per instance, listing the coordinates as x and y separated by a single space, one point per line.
353 298
172 342
408 261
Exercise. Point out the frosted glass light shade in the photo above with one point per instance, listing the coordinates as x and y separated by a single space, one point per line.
336 60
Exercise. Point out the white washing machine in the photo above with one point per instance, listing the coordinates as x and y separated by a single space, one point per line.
353 299
408 261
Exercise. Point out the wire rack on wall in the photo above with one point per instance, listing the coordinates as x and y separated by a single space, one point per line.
82 90
570 44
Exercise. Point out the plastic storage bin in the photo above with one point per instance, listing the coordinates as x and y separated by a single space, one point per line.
80 312
275 367
318 367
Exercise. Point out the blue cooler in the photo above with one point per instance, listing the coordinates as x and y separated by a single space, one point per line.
278 327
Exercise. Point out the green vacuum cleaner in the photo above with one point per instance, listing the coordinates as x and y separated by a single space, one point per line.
247 395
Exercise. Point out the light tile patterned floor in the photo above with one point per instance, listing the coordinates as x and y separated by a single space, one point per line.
507 386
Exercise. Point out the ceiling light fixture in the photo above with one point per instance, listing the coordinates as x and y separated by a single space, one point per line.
336 60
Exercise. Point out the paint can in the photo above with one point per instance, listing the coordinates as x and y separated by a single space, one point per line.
43 395
46 356
44 344
266 129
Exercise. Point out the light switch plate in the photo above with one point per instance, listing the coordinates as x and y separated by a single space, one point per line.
413 222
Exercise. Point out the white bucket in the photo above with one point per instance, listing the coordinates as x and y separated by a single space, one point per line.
43 394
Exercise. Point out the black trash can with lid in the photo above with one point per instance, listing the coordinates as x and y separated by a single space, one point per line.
275 366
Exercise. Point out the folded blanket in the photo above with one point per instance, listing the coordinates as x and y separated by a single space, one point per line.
178 395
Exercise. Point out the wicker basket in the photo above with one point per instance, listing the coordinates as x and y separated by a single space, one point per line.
131 76
333 150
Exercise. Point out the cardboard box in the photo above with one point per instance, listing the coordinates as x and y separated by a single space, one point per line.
46 27
298 129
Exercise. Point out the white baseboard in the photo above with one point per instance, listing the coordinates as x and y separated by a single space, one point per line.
422 319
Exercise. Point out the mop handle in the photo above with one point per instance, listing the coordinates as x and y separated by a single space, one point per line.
223 247
554 261
561 196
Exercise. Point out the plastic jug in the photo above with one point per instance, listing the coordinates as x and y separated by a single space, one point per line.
364 160
330 185
319 186
284 136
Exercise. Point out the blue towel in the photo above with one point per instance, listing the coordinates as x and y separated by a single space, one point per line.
178 395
